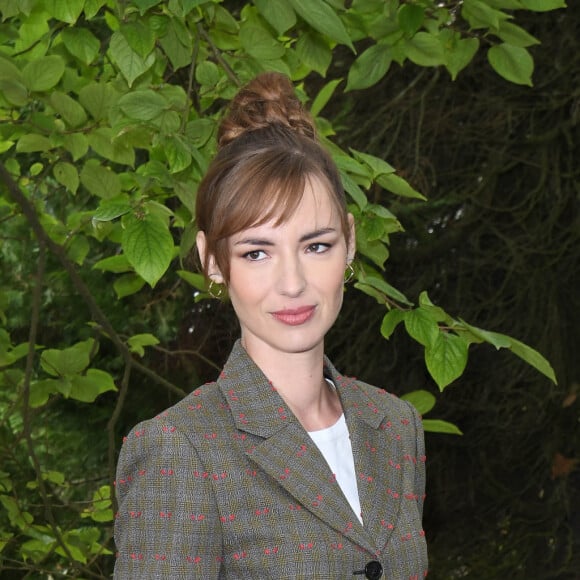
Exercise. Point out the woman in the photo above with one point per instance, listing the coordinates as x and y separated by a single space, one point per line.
283 468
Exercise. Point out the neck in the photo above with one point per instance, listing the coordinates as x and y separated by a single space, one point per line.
299 380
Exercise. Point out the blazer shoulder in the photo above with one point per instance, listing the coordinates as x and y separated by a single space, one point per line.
204 409
390 403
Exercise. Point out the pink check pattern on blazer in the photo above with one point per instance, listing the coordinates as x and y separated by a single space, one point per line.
228 484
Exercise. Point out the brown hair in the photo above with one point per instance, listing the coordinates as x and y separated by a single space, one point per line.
267 151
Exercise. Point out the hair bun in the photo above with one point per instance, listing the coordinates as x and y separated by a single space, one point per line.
268 99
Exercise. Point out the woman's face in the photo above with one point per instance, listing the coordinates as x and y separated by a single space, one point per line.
286 281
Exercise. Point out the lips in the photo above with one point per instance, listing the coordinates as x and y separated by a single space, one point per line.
294 316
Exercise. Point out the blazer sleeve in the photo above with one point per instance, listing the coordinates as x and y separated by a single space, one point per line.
421 458
167 525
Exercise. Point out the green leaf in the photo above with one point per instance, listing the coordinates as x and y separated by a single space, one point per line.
100 181
353 190
9 71
148 246
138 341
43 74
399 186
130 63
423 401
87 388
513 63
495 338
377 165
208 74
75 551
421 326
139 37
446 358
40 391
193 279
479 14
322 18
378 253
373 227
18 518
11 83
103 142
177 44
14 92
526 353
101 507
31 143
68 11
369 67
92 7
56 477
117 264
81 43
506 4
67 175
533 358
543 5
78 249
127 285
189 5
144 5
259 43
516 36
410 18
425 49
390 321
76 144
439 426
177 153
110 209
383 286
37 549
278 13
323 96
71 112
8 354
350 165
458 52
313 50
143 105
69 361
98 99
435 312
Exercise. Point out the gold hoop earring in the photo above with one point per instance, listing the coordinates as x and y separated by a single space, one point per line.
348 273
212 291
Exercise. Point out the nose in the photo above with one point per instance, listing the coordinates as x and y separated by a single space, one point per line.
291 276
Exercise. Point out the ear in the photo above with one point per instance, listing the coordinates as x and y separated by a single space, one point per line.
351 249
213 271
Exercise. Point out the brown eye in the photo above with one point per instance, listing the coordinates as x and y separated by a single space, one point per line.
255 255
318 248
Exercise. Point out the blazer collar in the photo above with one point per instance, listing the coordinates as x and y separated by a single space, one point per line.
257 408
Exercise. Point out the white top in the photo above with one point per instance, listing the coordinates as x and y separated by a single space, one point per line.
334 444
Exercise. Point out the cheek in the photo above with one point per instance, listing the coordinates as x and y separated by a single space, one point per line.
332 283
244 290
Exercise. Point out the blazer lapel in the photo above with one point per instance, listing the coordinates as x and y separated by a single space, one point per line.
294 461
286 451
376 448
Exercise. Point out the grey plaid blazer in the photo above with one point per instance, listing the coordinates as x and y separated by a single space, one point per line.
228 484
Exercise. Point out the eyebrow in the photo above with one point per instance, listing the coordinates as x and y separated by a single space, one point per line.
305 238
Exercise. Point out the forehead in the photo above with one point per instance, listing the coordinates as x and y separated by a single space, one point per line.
316 209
